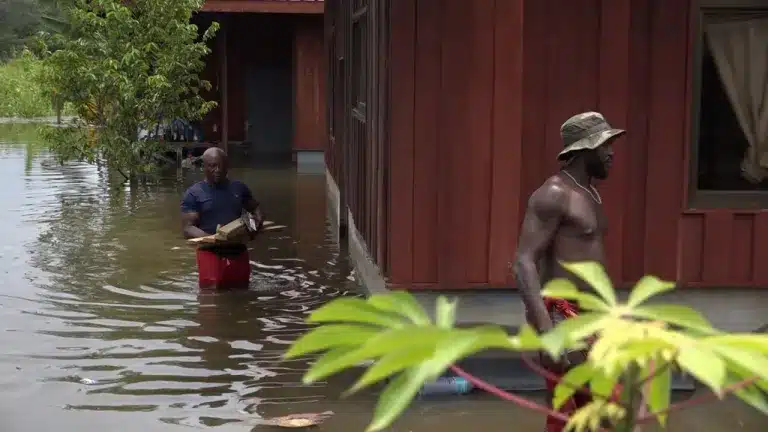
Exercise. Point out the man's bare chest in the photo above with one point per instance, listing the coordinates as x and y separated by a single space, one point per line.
584 218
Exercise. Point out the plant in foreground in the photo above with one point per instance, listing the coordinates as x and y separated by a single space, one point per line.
635 345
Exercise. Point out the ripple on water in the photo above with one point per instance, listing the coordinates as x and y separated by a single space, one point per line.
105 310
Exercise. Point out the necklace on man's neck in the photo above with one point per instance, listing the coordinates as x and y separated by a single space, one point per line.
591 191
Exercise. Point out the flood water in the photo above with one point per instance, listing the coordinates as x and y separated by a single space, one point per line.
101 325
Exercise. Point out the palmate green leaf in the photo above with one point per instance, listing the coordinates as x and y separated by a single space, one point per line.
575 379
753 363
752 395
400 392
602 382
527 340
565 289
355 310
331 336
402 303
450 347
397 396
659 393
445 312
704 365
393 363
385 342
571 331
328 359
594 274
682 316
757 343
646 288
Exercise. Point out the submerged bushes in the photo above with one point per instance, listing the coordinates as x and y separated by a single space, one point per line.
21 94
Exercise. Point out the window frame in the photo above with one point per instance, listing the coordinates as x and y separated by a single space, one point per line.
710 199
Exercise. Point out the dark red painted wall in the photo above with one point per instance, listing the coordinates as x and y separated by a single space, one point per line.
479 91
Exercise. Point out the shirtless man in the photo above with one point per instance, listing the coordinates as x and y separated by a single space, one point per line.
564 221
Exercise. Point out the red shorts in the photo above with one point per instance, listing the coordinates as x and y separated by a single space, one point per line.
223 272
560 310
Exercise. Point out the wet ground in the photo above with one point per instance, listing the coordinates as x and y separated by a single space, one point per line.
101 327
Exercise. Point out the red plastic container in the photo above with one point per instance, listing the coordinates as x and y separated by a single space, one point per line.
223 273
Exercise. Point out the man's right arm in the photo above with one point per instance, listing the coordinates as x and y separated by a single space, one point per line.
190 217
542 219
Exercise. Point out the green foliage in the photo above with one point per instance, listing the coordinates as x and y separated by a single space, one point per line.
22 20
126 67
636 345
20 91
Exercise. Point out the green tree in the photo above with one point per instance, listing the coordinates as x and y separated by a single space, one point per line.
635 345
126 67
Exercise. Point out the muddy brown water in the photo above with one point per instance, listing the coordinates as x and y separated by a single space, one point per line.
101 327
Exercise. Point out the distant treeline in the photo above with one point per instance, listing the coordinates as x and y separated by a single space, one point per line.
21 21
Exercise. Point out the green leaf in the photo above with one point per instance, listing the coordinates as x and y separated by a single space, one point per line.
449 350
355 310
575 379
565 289
445 312
602 383
755 364
329 358
594 274
749 342
403 303
393 363
527 339
754 397
493 336
704 365
396 397
330 336
572 330
682 316
659 393
646 288
388 342
453 346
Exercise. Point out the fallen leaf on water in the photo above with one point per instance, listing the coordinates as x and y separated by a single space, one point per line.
299 420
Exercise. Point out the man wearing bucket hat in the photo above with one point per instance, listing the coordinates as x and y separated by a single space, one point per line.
564 221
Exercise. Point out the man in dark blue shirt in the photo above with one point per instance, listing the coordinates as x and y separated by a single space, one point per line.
215 201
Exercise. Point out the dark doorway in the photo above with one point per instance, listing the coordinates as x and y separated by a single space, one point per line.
269 86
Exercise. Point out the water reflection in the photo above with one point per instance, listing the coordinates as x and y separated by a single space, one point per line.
103 329
100 307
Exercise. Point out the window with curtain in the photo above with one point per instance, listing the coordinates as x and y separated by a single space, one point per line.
732 140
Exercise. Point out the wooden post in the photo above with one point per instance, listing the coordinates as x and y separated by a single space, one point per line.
223 87
57 106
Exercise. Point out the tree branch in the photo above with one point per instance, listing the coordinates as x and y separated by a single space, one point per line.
520 401
655 372
552 377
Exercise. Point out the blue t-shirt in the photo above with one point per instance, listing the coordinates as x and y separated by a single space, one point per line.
216 204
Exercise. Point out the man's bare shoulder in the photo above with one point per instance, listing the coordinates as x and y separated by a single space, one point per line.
551 196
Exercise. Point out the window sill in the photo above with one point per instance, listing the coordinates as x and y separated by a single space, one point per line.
742 201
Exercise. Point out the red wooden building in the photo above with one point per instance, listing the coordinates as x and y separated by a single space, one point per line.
444 116
267 69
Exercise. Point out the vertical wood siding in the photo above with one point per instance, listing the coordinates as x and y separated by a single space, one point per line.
357 33
309 63
478 93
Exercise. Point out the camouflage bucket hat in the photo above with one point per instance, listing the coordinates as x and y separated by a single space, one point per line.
587 130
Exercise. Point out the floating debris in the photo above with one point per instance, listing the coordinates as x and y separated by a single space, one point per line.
299 420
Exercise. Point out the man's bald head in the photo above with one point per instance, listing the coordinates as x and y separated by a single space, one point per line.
214 153
215 165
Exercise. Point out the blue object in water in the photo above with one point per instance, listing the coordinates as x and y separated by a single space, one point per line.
447 386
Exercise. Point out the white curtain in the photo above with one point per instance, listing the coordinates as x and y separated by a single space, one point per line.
739 47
